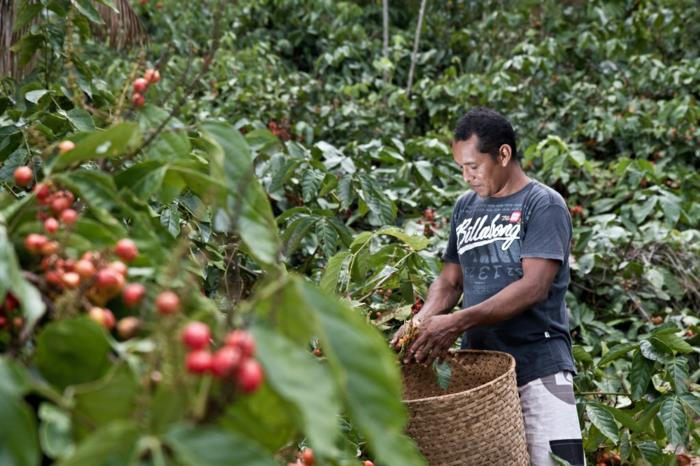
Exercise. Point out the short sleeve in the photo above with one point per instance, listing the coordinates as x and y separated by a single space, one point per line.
450 254
548 233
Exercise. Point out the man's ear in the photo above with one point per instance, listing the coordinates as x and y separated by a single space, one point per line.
504 154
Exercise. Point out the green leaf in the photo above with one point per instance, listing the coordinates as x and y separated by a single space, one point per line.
263 416
97 190
114 141
581 355
650 352
248 205
111 398
13 378
337 265
86 9
55 431
328 237
617 352
289 370
692 401
310 183
113 444
80 119
19 445
603 420
295 232
170 144
368 376
444 373
674 419
71 352
678 370
212 446
640 375
143 178
12 280
415 242
672 341
651 452
36 95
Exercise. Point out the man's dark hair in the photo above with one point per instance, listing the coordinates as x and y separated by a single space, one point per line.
492 129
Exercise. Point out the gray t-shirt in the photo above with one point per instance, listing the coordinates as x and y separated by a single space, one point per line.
489 237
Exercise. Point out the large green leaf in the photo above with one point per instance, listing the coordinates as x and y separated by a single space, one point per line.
71 352
55 431
417 243
213 446
640 374
673 341
300 379
674 419
617 352
603 420
19 445
247 204
112 445
337 265
367 375
113 141
171 143
11 280
111 398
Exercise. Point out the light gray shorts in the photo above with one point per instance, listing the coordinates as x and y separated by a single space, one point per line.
551 421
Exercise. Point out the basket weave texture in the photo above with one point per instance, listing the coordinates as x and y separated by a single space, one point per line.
476 421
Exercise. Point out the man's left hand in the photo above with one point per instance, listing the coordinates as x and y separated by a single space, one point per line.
436 334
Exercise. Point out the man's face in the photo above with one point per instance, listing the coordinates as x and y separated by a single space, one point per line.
484 175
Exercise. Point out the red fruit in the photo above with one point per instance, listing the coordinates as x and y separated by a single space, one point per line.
54 278
318 352
429 214
70 279
42 191
367 463
242 340
225 361
109 280
51 247
84 268
199 362
11 302
167 303
127 327
51 225
140 85
65 146
3 321
119 267
249 376
98 315
69 216
307 456
196 335
151 75
23 175
34 242
133 294
126 249
59 204
138 99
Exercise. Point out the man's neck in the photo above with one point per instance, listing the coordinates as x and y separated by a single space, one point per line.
516 181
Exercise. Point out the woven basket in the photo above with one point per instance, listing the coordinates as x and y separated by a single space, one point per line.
476 421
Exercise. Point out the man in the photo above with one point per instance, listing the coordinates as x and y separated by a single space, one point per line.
507 256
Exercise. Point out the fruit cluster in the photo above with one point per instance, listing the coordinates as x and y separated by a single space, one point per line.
306 458
140 86
9 319
235 359
430 224
417 305
280 130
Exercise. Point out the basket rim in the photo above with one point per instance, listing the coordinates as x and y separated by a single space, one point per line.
511 368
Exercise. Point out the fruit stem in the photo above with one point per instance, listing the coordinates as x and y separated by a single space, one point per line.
200 404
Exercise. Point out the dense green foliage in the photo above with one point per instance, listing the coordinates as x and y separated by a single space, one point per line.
331 181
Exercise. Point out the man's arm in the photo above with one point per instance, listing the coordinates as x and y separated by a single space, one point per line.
438 333
443 295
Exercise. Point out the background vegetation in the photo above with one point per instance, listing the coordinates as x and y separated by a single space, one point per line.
283 157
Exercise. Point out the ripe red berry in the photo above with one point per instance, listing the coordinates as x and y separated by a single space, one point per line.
196 335
140 85
97 314
70 280
65 146
51 225
23 175
50 247
109 319
34 242
225 361
109 280
127 327
199 362
126 249
59 204
84 268
69 216
152 76
249 376
242 340
307 456
367 463
138 99
133 294
42 191
119 267
167 303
